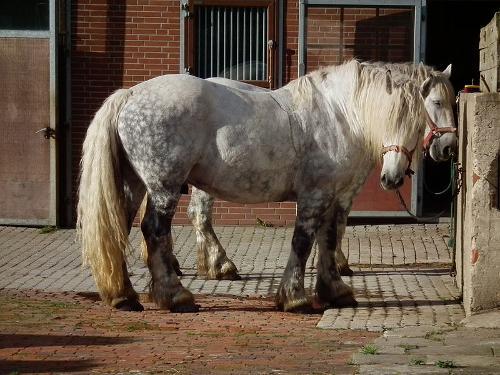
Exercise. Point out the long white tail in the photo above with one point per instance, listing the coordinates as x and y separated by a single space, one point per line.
102 223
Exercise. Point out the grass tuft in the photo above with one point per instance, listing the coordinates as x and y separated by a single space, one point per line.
140 326
369 349
47 229
445 364
417 362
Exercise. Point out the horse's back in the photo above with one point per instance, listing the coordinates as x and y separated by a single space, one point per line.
230 142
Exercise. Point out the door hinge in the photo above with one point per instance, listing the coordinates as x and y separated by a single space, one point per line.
48 132
186 11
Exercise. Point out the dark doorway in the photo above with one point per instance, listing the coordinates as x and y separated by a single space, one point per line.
452 37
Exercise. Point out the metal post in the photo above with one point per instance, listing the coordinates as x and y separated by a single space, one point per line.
302 41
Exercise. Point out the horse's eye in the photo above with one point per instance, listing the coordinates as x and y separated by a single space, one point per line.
437 103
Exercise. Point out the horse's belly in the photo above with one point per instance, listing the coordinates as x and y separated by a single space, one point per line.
246 178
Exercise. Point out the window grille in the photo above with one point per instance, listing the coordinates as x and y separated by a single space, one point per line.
231 42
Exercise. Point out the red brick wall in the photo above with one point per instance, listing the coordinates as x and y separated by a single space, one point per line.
119 43
291 40
335 35
227 213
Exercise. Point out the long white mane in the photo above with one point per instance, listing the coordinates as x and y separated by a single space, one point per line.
418 73
376 105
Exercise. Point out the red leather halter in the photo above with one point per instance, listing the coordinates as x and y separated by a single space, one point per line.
435 132
404 150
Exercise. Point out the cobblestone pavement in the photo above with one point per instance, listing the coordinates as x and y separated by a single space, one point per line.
401 281
44 332
401 271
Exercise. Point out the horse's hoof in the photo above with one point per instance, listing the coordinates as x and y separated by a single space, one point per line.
298 306
183 301
346 271
335 294
128 305
344 301
226 271
230 276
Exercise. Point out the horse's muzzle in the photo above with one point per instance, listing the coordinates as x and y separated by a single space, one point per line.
391 182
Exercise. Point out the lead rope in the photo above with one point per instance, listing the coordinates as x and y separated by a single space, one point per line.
456 174
456 178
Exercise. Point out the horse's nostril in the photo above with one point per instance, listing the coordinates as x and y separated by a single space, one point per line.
383 179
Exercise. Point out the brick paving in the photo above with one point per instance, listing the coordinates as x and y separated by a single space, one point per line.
401 271
401 280
43 332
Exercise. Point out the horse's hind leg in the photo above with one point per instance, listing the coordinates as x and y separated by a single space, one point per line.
330 288
127 299
133 190
213 262
166 288
144 248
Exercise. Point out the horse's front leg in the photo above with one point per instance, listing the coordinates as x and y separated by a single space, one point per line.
166 289
213 262
330 288
342 212
291 295
341 215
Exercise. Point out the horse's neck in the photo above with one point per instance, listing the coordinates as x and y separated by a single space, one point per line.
284 98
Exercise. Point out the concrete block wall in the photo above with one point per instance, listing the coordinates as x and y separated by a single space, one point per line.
478 220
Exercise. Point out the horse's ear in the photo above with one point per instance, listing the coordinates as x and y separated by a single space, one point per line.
388 81
425 87
447 72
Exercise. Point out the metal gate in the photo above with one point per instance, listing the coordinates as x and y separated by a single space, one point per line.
233 39
332 31
232 42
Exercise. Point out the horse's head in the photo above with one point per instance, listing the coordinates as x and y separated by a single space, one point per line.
441 140
402 137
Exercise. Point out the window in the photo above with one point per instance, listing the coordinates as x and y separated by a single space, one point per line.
231 39
29 15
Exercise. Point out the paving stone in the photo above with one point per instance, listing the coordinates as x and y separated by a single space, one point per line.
401 275
398 369
365 359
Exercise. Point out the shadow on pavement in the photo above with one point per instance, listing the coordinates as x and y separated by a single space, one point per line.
43 366
25 340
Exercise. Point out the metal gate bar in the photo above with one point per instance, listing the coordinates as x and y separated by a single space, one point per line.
232 42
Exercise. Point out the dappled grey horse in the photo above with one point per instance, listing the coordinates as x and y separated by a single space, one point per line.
305 142
440 142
